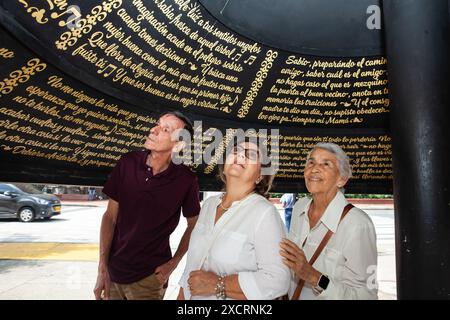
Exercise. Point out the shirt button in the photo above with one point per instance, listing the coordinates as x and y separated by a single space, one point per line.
146 179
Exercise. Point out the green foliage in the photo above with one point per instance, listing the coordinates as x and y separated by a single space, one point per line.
368 196
347 195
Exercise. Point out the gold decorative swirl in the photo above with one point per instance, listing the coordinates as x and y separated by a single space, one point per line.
25 4
85 25
261 75
36 13
21 76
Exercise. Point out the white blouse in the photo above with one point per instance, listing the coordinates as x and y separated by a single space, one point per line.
350 257
245 241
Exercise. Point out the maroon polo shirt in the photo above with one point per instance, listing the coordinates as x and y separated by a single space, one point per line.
149 211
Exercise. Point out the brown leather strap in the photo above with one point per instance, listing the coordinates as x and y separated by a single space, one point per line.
319 249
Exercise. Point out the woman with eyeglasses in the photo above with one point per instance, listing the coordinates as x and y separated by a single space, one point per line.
233 250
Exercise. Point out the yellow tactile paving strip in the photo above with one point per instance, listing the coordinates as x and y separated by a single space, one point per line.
49 251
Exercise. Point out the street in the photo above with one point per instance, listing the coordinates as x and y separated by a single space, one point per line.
57 259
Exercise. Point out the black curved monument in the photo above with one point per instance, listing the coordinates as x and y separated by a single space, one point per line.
81 83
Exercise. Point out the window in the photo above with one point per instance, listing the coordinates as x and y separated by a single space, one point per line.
4 188
10 188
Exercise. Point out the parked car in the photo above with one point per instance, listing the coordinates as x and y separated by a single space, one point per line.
15 203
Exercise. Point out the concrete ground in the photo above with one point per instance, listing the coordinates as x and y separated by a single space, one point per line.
57 259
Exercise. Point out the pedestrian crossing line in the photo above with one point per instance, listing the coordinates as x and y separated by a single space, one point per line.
49 251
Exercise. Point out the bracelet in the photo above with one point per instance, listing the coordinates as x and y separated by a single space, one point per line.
220 289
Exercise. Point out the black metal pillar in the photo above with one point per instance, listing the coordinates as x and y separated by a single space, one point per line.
417 45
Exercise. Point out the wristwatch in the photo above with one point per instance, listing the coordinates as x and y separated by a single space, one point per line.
322 284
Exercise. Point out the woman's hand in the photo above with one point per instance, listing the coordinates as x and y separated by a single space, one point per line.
295 259
202 283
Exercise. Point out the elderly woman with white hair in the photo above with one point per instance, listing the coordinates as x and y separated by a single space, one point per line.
331 247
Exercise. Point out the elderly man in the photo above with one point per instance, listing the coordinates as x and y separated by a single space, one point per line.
147 192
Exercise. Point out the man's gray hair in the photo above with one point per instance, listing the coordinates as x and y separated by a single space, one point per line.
345 170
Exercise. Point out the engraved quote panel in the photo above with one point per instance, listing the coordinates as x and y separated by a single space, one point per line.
177 54
101 72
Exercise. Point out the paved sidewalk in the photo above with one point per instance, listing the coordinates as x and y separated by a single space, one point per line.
49 251
96 203
58 259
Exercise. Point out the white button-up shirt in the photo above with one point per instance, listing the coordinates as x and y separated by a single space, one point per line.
350 257
245 241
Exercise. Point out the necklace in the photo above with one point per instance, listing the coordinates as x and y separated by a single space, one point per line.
222 207
223 196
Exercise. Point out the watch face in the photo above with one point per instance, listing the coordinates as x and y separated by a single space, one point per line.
323 282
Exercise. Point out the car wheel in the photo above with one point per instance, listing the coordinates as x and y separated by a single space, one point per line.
26 214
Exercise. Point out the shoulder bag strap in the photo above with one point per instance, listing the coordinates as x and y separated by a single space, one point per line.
318 251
